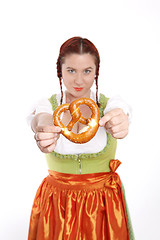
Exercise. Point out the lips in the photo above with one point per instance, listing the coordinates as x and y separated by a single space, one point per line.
78 89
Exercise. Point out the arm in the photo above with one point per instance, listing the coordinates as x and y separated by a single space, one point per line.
46 134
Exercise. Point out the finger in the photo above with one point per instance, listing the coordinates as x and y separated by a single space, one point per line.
51 148
108 116
121 119
40 147
118 128
49 129
47 149
120 135
44 136
46 143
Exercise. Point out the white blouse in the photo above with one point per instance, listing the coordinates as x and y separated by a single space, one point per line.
97 143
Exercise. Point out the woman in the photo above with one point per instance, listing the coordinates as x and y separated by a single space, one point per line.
82 197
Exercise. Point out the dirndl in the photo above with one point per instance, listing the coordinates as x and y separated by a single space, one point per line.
80 207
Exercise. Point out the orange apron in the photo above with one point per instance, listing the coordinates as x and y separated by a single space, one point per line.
80 207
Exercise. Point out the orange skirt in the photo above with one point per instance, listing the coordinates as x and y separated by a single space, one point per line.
80 207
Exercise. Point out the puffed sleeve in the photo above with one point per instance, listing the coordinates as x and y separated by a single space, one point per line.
118 102
42 105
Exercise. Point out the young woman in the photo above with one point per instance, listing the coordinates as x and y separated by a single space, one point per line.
82 197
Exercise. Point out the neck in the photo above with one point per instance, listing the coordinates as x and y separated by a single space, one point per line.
70 98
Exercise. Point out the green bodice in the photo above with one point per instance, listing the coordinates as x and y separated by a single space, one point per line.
83 163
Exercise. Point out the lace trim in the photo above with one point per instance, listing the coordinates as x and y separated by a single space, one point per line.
103 101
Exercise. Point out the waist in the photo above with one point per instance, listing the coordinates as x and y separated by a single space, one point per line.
83 163
86 181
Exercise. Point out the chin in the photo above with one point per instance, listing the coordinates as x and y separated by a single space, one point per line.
76 94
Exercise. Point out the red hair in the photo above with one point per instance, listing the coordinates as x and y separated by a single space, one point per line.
77 45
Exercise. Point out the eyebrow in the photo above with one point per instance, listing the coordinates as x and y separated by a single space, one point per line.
89 68
74 68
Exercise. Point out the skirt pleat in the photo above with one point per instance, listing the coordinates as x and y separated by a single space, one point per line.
79 207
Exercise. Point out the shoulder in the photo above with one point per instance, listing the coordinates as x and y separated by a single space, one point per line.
118 102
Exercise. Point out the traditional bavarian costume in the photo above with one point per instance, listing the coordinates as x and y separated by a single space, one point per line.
82 198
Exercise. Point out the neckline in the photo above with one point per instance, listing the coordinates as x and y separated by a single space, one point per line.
92 96
85 155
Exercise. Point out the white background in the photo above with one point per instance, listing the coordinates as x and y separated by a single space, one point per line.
127 35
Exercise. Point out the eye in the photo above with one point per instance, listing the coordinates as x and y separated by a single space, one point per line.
71 71
87 71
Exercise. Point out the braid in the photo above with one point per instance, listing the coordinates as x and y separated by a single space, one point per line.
60 80
59 74
96 79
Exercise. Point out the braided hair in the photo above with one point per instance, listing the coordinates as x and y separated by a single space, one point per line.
77 45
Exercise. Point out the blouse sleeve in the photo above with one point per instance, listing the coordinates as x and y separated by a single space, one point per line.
118 102
41 106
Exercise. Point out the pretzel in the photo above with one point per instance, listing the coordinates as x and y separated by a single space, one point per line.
92 123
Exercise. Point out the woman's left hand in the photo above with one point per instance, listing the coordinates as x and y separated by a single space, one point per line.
116 123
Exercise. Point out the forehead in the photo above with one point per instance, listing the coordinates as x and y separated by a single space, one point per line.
79 60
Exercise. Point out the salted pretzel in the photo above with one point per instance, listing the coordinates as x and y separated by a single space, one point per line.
92 123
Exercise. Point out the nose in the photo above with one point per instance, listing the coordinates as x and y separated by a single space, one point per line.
78 79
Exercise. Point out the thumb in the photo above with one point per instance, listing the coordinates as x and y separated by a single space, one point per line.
106 118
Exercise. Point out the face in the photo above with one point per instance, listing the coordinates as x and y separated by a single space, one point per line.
78 73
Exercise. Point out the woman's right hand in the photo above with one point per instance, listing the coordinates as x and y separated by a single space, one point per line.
46 137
